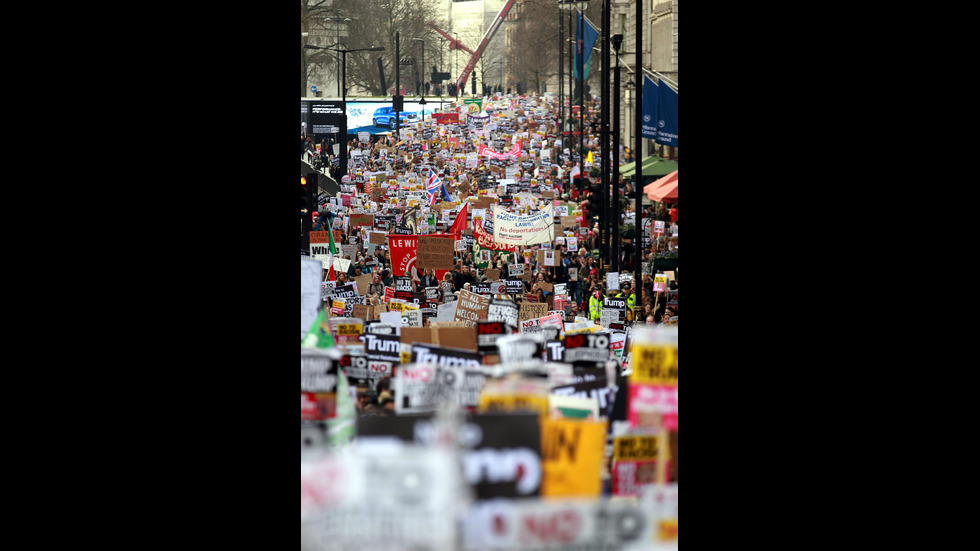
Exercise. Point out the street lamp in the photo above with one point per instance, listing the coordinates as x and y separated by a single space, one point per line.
422 102
343 117
617 43
338 22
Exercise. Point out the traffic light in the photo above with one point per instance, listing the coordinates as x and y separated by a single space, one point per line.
307 204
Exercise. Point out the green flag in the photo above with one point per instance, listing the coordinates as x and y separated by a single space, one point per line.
340 429
319 335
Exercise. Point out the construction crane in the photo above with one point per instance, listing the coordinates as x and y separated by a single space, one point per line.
475 56
453 43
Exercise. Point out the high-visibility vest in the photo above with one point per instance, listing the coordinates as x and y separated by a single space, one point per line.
595 306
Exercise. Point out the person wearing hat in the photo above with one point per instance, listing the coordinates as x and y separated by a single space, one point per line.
595 303
626 290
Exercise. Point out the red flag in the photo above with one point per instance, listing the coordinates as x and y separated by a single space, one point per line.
459 224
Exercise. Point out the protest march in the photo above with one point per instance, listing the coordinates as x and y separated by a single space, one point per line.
473 376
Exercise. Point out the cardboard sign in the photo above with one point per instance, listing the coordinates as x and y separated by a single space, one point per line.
362 282
492 274
435 253
471 307
378 238
532 310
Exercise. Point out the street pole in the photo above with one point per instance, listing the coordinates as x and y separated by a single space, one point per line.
638 174
604 138
338 60
581 92
422 103
343 119
617 42
398 66
561 73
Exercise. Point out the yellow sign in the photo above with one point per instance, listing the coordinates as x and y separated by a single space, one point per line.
509 403
667 530
635 448
396 306
572 453
654 365
410 306
349 329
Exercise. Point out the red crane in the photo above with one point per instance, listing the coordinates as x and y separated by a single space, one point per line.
475 56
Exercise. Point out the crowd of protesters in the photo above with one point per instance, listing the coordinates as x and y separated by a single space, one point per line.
579 270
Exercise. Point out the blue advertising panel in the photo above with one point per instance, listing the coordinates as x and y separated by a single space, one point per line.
667 124
650 113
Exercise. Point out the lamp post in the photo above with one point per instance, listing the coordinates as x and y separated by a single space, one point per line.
338 22
617 43
343 117
638 175
606 226
422 101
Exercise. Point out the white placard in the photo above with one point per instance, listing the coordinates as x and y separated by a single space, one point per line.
612 281
391 318
311 273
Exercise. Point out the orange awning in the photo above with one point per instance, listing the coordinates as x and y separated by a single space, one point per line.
664 189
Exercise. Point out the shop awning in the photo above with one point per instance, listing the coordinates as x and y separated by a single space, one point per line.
664 189
652 166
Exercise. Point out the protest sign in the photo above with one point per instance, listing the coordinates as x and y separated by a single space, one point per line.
586 349
572 407
311 273
340 509
531 310
534 524
572 453
492 274
511 229
412 318
362 282
435 253
612 281
471 307
659 282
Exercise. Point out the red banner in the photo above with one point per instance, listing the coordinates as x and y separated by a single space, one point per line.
486 240
514 152
403 253
445 118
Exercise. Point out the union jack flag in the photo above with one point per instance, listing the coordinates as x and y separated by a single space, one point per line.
434 187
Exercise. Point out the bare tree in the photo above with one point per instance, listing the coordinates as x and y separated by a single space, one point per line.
534 55
376 25
312 14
